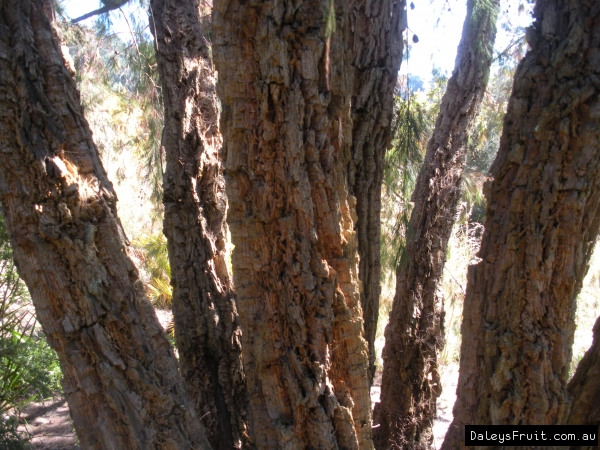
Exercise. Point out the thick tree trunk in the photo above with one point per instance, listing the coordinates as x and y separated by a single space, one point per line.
542 220
414 335
285 83
584 388
376 44
206 321
120 374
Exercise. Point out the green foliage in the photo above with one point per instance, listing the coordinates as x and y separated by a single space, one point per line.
10 437
401 169
330 18
118 78
435 93
28 367
155 261
13 383
484 140
484 11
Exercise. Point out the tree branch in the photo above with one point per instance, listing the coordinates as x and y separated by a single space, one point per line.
109 5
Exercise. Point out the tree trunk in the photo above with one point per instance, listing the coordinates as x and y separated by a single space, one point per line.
542 220
206 321
414 335
376 46
120 374
584 388
285 84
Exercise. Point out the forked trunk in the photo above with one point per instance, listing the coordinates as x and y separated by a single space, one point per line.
414 335
285 84
542 220
376 45
206 321
120 374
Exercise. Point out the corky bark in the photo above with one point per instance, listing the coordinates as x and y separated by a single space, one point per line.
376 45
285 83
584 387
120 374
414 335
542 220
206 321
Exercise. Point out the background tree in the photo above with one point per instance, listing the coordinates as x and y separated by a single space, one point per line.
414 335
542 221
206 320
120 375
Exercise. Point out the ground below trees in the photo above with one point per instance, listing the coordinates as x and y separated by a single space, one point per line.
50 426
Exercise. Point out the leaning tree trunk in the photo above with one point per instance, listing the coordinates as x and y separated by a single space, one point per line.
414 335
120 374
206 321
285 84
376 45
542 220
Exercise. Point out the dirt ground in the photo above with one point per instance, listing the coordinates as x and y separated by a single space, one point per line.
49 426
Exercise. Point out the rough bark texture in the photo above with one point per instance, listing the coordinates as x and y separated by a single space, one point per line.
376 45
414 335
120 374
584 388
542 220
285 83
206 320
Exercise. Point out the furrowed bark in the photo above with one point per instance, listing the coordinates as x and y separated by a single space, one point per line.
376 46
120 374
206 321
414 335
285 84
542 220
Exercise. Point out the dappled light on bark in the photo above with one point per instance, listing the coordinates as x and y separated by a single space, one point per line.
206 321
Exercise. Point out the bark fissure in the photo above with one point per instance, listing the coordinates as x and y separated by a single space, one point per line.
120 373
542 220
206 320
